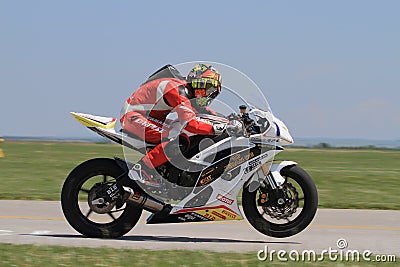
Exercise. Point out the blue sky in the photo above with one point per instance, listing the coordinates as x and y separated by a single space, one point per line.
329 69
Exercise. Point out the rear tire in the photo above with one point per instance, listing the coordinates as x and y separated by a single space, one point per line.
263 223
70 201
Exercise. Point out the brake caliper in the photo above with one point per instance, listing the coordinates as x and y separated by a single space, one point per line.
281 203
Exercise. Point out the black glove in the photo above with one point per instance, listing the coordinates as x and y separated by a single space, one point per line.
219 128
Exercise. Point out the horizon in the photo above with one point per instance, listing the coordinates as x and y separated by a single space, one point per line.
310 142
94 136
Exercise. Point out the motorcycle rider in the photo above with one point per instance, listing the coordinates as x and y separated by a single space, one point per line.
145 112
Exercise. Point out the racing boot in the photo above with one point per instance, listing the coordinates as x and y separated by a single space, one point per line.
143 174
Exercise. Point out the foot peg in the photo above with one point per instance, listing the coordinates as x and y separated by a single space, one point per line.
136 174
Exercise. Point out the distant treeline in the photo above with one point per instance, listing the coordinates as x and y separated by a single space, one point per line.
324 145
303 144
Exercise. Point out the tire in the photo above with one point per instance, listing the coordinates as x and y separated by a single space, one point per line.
71 203
266 225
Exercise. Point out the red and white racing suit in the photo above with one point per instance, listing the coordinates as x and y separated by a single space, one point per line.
146 110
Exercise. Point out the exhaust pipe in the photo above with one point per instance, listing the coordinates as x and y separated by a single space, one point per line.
142 200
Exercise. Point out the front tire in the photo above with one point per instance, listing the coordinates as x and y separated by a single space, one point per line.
272 219
89 218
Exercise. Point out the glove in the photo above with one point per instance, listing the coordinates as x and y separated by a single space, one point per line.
219 128
235 128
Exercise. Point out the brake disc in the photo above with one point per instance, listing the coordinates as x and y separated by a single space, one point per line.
283 207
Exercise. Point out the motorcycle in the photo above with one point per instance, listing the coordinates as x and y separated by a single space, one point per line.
279 199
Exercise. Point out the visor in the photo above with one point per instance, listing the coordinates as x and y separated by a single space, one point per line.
209 93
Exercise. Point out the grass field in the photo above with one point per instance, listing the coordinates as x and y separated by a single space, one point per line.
30 255
345 178
352 178
36 170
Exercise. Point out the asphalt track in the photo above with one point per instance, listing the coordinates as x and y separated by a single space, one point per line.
42 222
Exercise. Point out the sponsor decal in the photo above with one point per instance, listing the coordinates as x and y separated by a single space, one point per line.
206 176
149 125
230 214
182 218
207 172
253 165
238 159
113 192
218 213
189 217
209 216
136 196
204 120
205 180
157 121
266 139
225 199
192 216
219 127
235 160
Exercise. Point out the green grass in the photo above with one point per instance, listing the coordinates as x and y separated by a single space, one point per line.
345 178
37 170
352 178
31 255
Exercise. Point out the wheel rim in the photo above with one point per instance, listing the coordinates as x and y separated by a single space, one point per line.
88 200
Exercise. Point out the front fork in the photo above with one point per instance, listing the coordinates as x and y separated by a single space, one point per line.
271 173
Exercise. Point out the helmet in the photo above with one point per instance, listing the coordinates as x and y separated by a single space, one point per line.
205 83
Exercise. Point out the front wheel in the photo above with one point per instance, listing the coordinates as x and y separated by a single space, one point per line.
285 211
91 201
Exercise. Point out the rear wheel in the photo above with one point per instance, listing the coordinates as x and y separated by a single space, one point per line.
285 211
92 203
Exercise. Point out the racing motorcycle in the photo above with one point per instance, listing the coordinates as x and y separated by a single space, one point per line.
279 199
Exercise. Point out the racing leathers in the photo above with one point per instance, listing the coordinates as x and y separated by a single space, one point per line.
145 114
